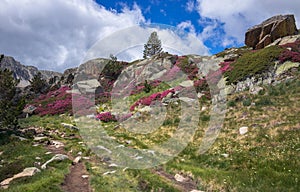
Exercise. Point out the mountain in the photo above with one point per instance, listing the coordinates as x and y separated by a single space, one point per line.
22 72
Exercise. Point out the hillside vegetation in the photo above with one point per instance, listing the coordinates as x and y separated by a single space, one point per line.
257 148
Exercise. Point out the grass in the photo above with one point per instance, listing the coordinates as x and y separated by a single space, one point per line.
18 155
253 63
266 158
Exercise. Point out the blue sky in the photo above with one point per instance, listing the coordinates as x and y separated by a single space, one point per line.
59 34
169 12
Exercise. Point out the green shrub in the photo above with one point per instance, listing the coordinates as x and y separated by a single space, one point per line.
147 87
247 102
253 63
231 103
264 101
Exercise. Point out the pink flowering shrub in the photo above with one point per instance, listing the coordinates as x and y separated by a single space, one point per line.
288 55
191 70
54 102
106 117
148 100
295 46
226 66
59 102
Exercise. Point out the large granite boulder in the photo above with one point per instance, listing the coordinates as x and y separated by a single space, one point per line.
271 29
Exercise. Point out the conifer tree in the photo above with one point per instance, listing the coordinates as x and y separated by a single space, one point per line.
9 107
38 84
153 46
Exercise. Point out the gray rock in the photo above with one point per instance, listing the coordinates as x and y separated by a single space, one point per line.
57 157
29 109
187 83
187 100
69 126
180 178
243 130
109 172
255 90
27 172
76 160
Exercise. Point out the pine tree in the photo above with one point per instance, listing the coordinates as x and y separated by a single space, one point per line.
153 46
9 107
38 84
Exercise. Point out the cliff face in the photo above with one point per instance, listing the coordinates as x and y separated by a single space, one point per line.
22 72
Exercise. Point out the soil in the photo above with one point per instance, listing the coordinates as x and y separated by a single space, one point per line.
73 181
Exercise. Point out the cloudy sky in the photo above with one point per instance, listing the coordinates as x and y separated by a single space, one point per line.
58 34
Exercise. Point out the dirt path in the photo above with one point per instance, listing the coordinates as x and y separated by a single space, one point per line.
74 182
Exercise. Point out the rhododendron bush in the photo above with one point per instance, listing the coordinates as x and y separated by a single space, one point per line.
146 101
292 52
109 117
60 101
288 55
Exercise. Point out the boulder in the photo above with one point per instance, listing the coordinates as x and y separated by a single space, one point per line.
270 30
29 109
57 157
27 172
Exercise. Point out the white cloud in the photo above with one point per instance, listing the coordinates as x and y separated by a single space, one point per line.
56 34
236 16
190 6
128 44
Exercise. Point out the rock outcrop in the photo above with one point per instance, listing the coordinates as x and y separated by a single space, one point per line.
270 30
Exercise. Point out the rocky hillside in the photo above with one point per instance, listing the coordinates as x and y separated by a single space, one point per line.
22 72
142 105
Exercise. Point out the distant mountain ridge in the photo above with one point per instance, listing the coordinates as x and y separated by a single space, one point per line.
24 73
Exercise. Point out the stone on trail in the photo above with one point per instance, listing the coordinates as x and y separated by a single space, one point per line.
180 178
76 160
58 157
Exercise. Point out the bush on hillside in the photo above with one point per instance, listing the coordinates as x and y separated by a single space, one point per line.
253 63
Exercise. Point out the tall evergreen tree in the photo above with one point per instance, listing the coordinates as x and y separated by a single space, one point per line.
10 108
153 46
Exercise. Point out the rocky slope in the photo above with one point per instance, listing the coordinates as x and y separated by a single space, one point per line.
22 72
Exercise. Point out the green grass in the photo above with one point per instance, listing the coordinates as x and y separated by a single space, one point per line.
264 159
253 63
18 155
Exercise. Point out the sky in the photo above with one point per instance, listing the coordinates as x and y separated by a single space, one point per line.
60 34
